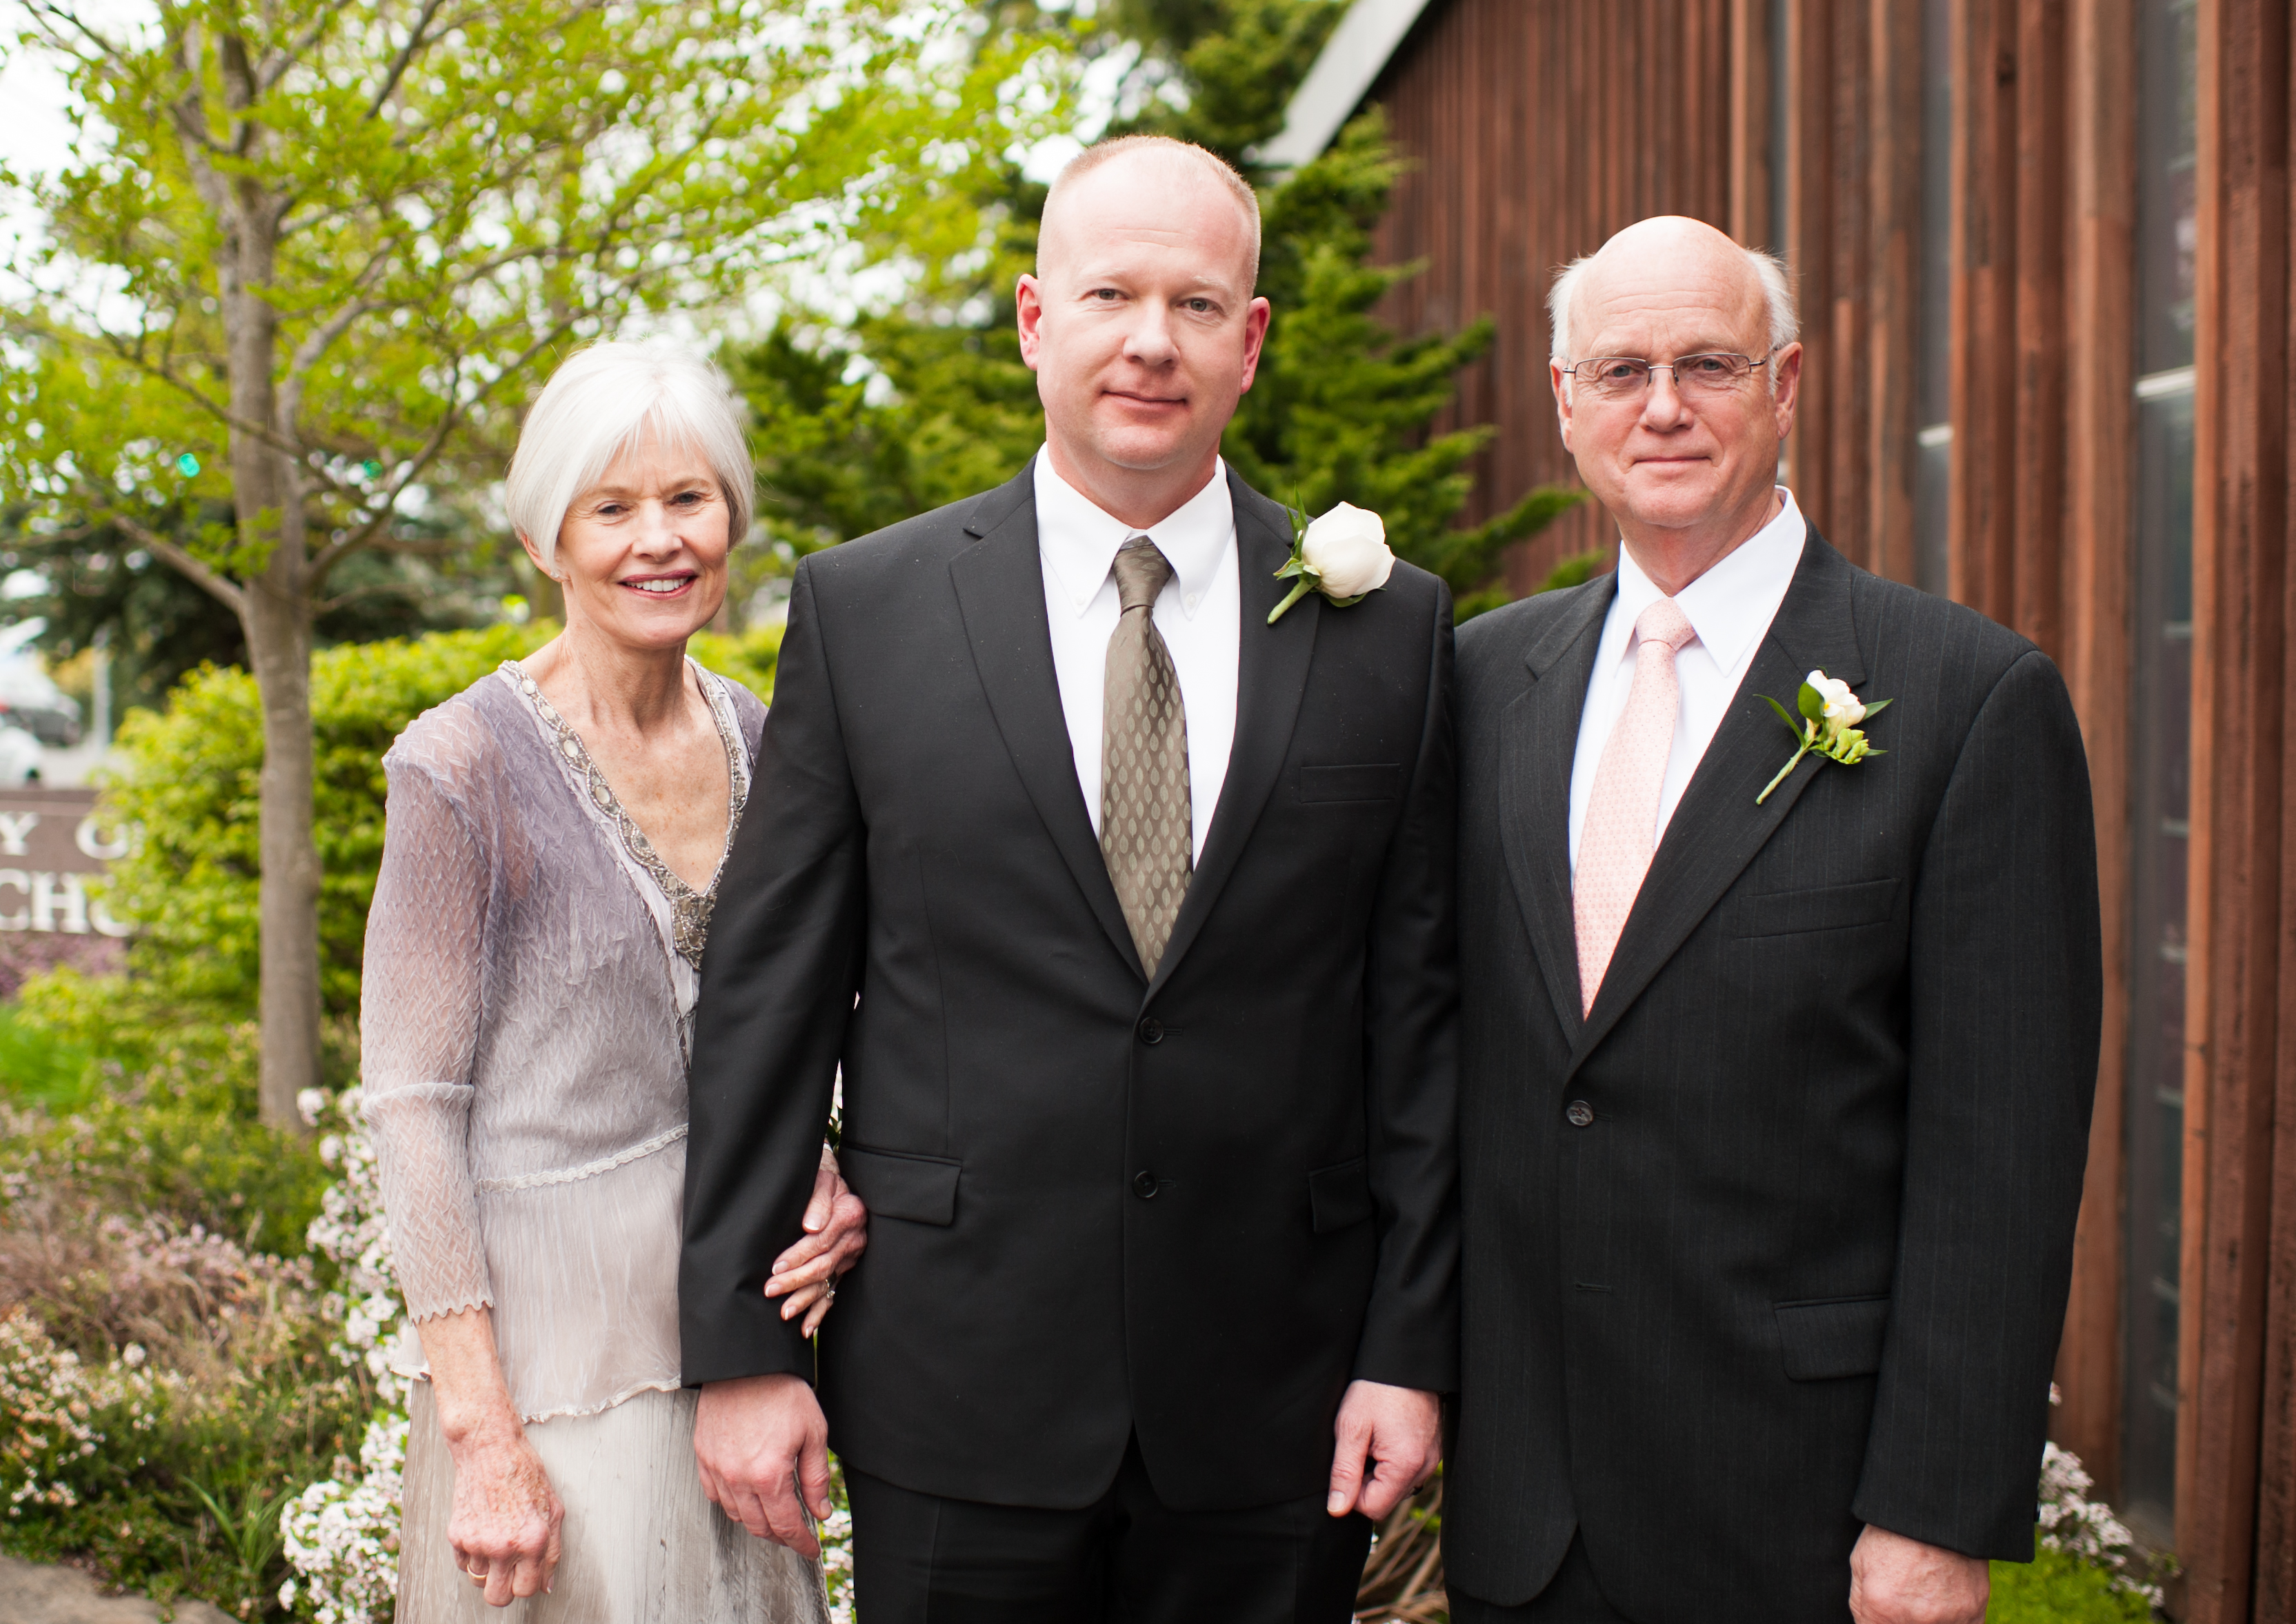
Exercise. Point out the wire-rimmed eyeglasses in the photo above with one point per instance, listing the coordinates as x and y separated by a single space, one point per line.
1627 377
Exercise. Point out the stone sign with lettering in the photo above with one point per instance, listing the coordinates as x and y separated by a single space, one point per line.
53 843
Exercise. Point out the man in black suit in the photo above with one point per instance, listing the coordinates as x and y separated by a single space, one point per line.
1147 904
1774 1098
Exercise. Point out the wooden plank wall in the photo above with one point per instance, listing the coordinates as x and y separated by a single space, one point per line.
1540 126
2236 1524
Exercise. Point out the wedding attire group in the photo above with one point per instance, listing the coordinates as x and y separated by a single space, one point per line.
1137 1219
1250 1027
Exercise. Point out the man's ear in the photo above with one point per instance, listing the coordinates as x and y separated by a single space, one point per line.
1560 381
1255 338
1786 393
1029 313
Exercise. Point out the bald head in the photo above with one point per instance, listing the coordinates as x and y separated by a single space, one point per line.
1153 185
1670 254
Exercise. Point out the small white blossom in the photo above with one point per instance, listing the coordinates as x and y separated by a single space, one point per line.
1842 708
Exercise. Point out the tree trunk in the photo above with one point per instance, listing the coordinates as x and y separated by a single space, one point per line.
276 613
279 649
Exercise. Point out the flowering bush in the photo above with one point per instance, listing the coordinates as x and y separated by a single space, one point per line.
2086 1530
69 1432
161 1381
341 1532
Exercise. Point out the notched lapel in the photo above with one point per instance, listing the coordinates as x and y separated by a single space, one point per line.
1000 591
1538 741
1716 829
1271 679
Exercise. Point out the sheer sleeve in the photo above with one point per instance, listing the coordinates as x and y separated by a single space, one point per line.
418 1034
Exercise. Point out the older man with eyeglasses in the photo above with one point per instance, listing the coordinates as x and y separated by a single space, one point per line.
1779 1028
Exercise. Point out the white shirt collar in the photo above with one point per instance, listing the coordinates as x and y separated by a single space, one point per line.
1732 603
1079 540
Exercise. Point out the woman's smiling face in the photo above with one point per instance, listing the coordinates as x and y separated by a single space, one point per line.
641 553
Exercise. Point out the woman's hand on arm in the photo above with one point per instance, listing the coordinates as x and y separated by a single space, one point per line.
504 1527
836 1233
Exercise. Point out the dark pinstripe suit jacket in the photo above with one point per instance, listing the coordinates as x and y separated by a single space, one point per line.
1806 1267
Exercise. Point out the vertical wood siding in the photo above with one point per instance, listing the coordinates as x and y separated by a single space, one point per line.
1540 126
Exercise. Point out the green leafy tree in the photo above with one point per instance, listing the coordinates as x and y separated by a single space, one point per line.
914 407
307 259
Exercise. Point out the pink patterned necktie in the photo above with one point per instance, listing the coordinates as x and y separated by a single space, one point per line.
1621 827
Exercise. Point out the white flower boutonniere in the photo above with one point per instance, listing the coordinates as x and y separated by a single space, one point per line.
1830 715
1343 555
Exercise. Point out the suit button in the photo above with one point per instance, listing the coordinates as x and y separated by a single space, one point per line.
1580 1114
1144 1185
1152 1031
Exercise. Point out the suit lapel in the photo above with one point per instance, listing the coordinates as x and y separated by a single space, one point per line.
1716 829
1000 590
1539 740
1271 678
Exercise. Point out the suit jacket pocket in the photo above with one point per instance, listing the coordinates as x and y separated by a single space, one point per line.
1372 780
1340 1196
1826 908
1838 1336
895 1183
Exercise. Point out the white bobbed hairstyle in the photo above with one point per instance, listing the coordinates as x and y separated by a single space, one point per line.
1777 295
601 405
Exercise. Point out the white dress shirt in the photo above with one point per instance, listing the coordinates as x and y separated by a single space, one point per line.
1199 613
1730 607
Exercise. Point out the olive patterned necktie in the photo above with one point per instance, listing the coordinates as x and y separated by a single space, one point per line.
1144 831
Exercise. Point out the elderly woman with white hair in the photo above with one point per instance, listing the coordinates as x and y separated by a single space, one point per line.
555 833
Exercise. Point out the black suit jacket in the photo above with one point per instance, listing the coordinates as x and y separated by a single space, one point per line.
1194 1207
1806 1267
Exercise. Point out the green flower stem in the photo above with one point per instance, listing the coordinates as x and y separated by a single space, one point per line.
1300 588
1808 744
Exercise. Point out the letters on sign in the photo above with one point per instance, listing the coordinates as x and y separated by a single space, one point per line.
54 902
55 846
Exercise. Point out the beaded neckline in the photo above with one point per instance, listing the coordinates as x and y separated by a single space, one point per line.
690 909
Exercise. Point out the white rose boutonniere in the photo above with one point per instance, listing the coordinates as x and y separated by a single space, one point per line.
1830 715
1343 555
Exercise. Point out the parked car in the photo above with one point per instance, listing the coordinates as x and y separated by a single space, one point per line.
19 753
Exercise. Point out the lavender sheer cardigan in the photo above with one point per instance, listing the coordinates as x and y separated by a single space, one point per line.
530 973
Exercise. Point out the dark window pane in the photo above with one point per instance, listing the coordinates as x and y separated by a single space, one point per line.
2160 806
2167 157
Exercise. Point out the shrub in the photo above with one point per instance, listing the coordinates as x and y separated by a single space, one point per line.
163 1388
2058 1587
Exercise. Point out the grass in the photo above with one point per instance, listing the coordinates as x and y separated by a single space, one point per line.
2056 1589
37 1067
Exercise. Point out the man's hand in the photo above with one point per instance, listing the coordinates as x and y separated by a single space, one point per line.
1400 1429
1897 1581
757 1439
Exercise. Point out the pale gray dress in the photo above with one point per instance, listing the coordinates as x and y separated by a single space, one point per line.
527 1005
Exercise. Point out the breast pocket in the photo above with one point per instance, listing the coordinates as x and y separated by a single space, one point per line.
1825 908
1370 781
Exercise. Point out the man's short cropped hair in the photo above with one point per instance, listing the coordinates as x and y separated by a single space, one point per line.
1093 157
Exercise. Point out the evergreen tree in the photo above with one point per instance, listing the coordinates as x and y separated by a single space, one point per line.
929 403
